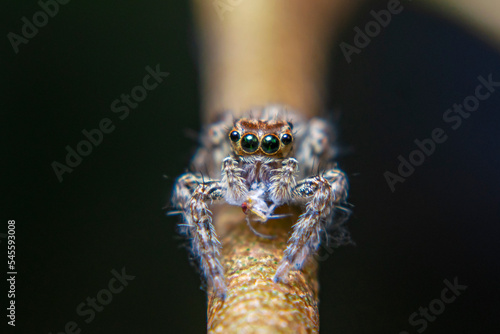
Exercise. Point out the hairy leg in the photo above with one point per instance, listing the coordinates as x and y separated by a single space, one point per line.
183 191
322 193
214 146
316 145
198 225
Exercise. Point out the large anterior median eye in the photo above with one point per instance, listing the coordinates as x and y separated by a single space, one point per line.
270 144
249 143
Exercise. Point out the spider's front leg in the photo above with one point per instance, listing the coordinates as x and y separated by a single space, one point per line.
184 187
322 193
198 225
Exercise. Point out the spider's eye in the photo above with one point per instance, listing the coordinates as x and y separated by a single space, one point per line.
290 125
286 139
270 144
234 136
249 143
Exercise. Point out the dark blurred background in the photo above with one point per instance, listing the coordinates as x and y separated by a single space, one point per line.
441 223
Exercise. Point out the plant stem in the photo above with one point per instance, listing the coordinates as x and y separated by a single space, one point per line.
256 52
254 303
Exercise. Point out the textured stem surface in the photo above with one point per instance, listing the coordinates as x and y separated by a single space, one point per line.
257 52
253 53
254 303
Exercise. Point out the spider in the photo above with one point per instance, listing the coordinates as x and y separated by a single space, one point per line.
259 157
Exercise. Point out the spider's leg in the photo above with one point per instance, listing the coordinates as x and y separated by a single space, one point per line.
204 242
191 197
316 145
183 191
214 146
321 193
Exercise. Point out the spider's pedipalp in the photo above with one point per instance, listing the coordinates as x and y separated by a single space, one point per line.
283 182
234 186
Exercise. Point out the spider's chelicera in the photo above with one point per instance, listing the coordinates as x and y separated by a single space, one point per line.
260 157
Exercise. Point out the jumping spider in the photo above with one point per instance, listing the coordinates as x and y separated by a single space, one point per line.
260 157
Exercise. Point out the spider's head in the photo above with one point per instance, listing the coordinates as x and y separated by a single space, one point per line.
258 137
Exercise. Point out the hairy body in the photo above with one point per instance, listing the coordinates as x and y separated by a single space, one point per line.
259 158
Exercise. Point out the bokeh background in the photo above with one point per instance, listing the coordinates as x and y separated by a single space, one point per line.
441 223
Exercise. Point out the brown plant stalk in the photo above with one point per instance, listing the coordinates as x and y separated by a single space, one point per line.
254 303
256 52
